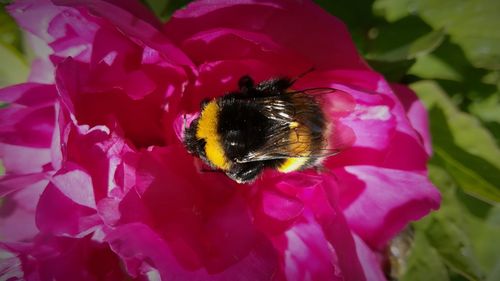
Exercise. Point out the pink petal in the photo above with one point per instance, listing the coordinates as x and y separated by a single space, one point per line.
416 113
323 203
370 261
391 199
307 255
31 127
382 134
280 206
17 212
141 248
35 16
189 214
100 153
136 21
74 213
68 32
29 94
63 258
113 102
310 25
12 183
206 47
24 160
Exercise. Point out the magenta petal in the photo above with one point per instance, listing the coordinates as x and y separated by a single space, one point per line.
75 211
100 153
206 47
416 113
143 250
280 206
12 183
18 208
29 94
35 16
23 160
307 255
136 21
42 71
63 258
323 202
68 32
27 122
310 25
197 218
392 198
370 261
75 184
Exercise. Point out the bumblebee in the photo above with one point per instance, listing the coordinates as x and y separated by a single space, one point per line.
264 125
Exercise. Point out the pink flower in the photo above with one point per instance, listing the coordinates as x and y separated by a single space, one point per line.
95 165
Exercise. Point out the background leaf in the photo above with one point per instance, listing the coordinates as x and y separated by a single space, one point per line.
461 145
424 262
13 67
163 9
472 24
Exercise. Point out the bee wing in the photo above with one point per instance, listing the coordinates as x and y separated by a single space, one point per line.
266 155
315 91
278 141
281 109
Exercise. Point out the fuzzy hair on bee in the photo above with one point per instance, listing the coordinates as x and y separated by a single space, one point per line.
264 125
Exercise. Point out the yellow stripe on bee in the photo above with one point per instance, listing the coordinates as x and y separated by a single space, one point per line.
292 164
300 142
207 130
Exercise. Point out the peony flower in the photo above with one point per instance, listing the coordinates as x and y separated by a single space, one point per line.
98 184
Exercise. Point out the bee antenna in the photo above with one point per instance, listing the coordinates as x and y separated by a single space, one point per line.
311 69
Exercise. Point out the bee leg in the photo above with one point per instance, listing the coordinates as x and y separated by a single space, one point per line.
320 169
293 80
245 172
276 86
245 84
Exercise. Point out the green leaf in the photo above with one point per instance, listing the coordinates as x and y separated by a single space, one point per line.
414 49
459 221
393 48
9 32
393 10
159 7
13 68
163 9
393 71
424 262
473 24
462 145
433 67
357 16
453 246
485 233
467 131
457 233
487 109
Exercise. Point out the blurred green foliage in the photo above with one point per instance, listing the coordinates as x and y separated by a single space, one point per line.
448 52
14 67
